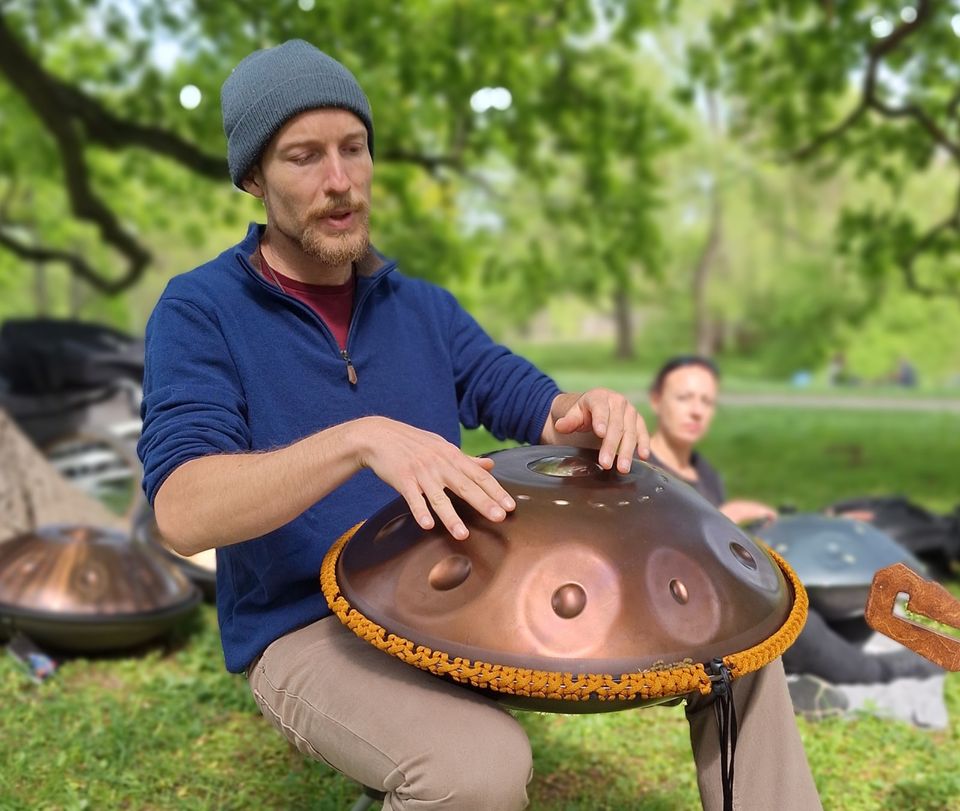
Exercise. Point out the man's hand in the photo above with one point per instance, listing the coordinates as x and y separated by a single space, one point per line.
598 418
421 466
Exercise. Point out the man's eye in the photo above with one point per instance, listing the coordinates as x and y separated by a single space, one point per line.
302 159
354 149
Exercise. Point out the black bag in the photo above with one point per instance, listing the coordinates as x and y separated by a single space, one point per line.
934 538
43 356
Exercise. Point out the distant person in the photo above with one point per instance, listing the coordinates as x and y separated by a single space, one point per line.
905 374
837 370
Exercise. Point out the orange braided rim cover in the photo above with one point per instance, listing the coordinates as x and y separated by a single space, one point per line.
518 681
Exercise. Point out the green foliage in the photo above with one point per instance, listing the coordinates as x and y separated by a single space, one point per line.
797 323
596 183
577 143
596 172
908 326
859 86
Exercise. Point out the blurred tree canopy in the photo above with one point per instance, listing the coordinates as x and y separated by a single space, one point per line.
871 88
97 151
676 167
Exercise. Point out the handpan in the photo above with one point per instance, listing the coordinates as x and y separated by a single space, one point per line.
835 558
79 588
200 568
600 591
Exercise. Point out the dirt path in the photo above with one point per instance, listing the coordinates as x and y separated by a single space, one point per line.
851 401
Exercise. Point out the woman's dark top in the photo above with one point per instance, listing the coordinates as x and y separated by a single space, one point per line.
708 482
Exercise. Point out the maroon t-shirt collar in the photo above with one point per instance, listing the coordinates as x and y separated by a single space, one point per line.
333 303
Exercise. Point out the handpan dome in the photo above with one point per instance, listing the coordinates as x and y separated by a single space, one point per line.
599 585
80 588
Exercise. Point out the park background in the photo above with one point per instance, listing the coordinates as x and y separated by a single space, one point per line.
775 183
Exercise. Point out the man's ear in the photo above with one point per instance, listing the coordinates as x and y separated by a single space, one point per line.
253 182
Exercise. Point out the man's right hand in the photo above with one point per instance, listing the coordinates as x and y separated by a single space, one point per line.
221 499
422 466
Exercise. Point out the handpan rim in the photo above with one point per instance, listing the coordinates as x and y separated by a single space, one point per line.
645 686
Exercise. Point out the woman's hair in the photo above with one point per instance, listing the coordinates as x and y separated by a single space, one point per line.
679 362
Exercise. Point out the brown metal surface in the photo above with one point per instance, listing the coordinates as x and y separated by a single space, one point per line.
200 568
924 597
595 572
87 572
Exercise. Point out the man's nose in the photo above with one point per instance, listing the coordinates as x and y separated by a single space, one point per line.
335 179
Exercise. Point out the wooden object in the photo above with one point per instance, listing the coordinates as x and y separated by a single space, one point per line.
925 597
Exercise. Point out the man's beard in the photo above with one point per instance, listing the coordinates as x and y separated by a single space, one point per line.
337 249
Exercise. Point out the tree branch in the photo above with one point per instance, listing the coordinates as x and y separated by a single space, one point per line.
869 100
45 97
868 97
74 118
925 121
908 262
430 163
40 88
952 104
810 149
77 264
433 164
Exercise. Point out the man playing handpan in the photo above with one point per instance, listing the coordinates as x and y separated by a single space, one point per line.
294 385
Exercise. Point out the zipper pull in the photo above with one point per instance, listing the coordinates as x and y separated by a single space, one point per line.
351 372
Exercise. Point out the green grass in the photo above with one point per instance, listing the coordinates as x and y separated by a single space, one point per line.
167 728
582 365
171 730
812 458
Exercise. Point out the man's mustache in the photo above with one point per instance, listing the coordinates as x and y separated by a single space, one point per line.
340 203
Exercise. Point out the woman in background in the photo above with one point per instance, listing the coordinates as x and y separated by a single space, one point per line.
684 399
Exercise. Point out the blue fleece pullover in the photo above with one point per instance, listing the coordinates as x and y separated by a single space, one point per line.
233 365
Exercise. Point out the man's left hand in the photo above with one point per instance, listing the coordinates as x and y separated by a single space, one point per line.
598 418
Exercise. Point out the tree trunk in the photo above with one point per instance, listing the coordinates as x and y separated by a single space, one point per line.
623 321
706 332
41 298
712 248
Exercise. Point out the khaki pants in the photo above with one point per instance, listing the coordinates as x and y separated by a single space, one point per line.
430 744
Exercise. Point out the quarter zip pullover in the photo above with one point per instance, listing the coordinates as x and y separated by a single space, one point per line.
235 365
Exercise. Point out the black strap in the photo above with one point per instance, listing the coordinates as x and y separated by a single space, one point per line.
725 712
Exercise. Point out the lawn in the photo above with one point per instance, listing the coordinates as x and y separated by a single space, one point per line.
167 728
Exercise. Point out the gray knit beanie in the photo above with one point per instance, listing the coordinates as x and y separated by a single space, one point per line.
271 86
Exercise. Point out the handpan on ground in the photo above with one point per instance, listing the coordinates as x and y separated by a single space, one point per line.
200 568
598 586
80 588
